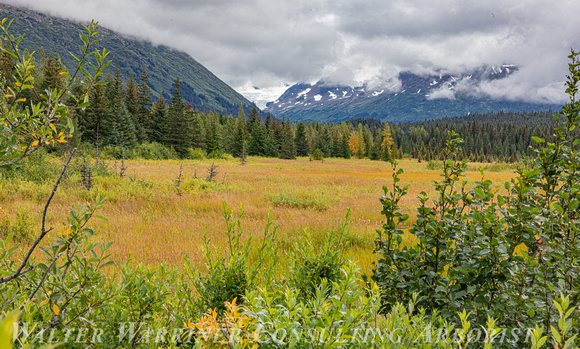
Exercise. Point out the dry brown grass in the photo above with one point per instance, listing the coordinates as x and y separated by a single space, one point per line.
151 223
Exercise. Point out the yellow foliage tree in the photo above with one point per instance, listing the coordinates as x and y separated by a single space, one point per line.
356 143
388 145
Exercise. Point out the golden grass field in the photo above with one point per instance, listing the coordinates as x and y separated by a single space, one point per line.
151 221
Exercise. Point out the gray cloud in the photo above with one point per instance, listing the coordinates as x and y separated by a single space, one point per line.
269 43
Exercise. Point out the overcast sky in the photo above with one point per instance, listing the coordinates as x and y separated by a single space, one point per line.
270 44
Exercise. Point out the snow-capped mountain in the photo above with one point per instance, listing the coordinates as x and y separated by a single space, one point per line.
407 97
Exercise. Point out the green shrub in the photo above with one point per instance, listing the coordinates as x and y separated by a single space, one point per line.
147 151
114 152
335 315
218 154
21 226
310 267
469 256
224 282
317 154
302 200
230 275
151 151
39 167
434 165
196 154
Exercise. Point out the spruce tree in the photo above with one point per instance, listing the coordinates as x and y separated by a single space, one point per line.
95 116
324 141
50 76
301 141
368 141
145 97
288 150
270 146
196 129
336 142
133 108
213 134
376 150
160 128
256 141
239 137
345 149
178 137
120 126
278 135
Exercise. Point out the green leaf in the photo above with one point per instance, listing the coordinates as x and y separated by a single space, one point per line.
570 341
106 264
101 217
479 193
538 139
7 325
557 207
555 334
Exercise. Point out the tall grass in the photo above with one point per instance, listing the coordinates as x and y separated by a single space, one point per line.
152 222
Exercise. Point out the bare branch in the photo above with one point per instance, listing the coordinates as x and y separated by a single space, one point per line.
44 231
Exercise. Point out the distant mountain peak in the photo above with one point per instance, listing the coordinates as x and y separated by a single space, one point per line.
407 97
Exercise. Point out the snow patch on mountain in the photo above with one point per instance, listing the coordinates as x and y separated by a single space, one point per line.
304 93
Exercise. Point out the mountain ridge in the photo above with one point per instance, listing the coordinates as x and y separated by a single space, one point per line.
406 97
200 87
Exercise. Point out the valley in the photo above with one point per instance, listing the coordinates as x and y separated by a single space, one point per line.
152 221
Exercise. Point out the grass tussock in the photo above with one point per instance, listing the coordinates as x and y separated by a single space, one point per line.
303 200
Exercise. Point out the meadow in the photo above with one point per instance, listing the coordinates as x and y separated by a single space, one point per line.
152 219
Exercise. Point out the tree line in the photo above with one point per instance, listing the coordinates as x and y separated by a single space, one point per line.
124 113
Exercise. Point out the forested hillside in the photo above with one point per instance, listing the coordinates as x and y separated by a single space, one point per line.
200 88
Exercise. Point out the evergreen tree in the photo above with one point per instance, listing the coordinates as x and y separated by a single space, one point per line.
145 98
324 141
268 123
95 116
178 137
301 141
256 141
345 148
160 129
278 135
213 134
50 76
196 129
239 137
120 127
288 150
271 147
336 142
367 139
376 151
133 108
